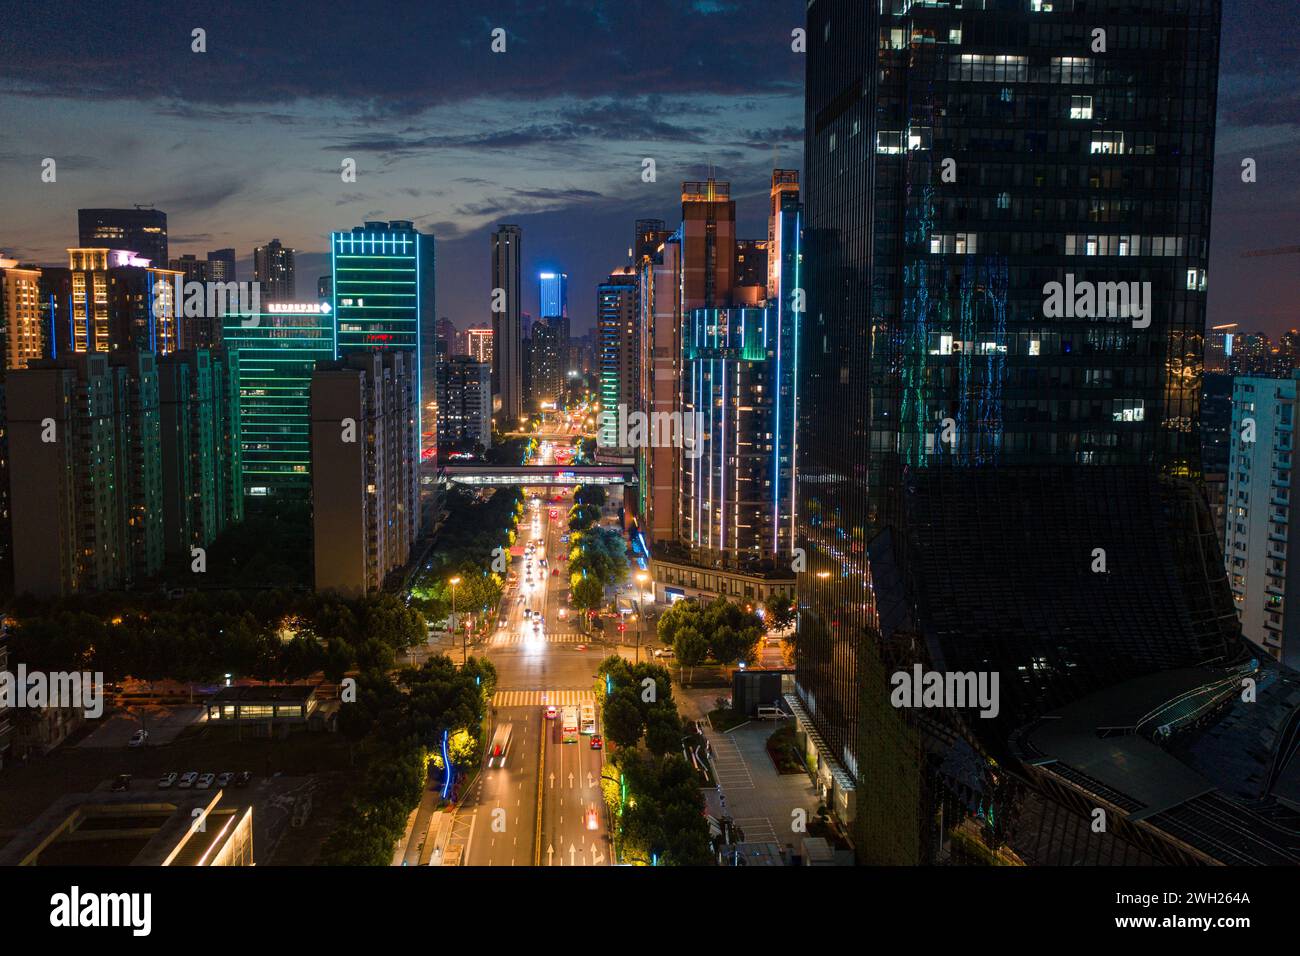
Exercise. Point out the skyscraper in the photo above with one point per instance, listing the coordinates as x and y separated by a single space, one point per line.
478 345
785 183
708 245
619 343
552 294
273 268
278 350
384 299
1010 487
143 230
647 238
507 332
464 403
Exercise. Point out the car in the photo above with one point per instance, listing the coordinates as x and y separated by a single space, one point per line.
580 647
593 819
596 742
502 624
122 782
551 712
224 778
528 612
167 780
206 781
664 652
243 777
187 779
139 738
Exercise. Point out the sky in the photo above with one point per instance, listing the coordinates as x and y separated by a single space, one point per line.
244 143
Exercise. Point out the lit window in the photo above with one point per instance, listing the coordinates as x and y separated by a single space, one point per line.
1080 107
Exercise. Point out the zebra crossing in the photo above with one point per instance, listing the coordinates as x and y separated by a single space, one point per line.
513 639
539 698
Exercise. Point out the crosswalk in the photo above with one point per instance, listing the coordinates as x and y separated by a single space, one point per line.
505 639
538 698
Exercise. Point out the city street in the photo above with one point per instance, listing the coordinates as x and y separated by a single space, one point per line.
540 805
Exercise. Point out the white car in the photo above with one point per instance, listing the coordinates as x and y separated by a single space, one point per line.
167 780
139 738
187 779
224 778
206 781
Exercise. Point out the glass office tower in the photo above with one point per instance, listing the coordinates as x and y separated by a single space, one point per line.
969 444
383 275
279 348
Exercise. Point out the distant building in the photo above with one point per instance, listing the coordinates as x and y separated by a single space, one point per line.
142 230
221 266
1216 442
449 338
273 269
649 235
507 328
192 269
364 470
464 402
325 288
553 294
116 300
1260 523
478 344
550 360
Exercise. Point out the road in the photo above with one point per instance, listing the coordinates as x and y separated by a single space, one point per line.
537 808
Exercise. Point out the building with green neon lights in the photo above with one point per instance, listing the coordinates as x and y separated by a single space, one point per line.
279 348
383 275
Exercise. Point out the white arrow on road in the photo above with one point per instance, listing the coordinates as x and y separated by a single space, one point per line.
570 779
591 781
552 780
550 849
572 850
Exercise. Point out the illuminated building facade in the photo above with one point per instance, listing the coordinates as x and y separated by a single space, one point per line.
957 160
478 344
507 327
619 341
278 349
384 300
275 270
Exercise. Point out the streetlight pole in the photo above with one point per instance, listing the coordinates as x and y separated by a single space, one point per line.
641 580
463 648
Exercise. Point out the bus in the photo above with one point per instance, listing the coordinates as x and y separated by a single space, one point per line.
588 719
569 724
500 744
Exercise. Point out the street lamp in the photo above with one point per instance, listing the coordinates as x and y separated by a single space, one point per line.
464 650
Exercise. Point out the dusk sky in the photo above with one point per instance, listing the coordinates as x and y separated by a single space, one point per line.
243 143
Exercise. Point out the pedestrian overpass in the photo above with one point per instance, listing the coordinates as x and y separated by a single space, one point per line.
478 474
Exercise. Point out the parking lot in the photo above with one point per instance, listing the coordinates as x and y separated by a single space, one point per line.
164 722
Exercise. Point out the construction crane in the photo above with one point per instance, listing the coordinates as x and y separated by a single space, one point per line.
1279 251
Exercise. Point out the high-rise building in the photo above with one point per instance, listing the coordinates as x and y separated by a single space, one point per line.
449 337
708 245
143 230
1218 347
620 340
116 300
550 360
221 266
202 479
22 335
278 349
85 477
993 482
736 486
658 463
384 299
364 468
1259 523
464 403
1216 439
507 328
785 189
191 268
273 269
649 235
325 288
552 294
478 345
751 272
